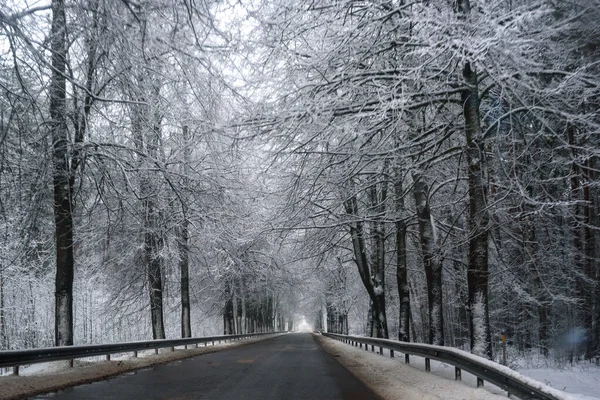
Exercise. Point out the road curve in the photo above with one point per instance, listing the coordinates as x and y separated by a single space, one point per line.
291 366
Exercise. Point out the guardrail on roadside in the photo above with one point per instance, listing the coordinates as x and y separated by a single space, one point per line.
485 370
16 358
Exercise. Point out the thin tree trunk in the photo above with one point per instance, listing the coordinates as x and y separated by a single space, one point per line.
401 268
236 328
184 268
186 327
243 300
3 336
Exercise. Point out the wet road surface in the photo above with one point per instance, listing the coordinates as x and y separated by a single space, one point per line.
291 366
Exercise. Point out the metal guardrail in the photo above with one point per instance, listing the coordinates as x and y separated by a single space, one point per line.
507 379
16 358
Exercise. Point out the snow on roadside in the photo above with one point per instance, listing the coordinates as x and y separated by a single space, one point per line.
390 378
582 381
53 376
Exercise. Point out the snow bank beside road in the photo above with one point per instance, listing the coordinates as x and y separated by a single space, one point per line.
392 379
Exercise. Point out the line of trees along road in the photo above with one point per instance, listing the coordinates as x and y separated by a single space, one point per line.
108 113
420 170
481 117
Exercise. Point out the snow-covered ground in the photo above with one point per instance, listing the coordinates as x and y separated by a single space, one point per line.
582 380
391 379
52 376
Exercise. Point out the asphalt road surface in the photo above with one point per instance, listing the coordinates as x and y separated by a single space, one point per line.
291 366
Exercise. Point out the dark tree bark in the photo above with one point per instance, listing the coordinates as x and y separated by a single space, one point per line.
478 219
63 190
184 251
590 303
152 245
431 260
401 268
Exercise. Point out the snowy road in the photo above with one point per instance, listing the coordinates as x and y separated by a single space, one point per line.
290 366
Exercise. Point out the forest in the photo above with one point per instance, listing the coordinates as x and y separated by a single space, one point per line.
426 171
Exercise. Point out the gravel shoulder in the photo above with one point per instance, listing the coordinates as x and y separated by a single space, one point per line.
57 375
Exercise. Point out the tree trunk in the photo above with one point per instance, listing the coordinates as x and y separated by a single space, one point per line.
401 268
431 260
589 261
370 319
3 333
236 328
243 300
478 221
186 328
184 250
152 246
63 190
378 198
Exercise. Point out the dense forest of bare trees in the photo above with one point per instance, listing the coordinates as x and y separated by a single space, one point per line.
419 170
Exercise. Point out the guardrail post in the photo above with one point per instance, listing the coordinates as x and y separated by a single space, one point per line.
16 370
372 347
172 349
360 345
213 342
406 359
457 374
381 350
156 350
108 357
479 382
391 353
205 344
71 363
135 354
427 365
